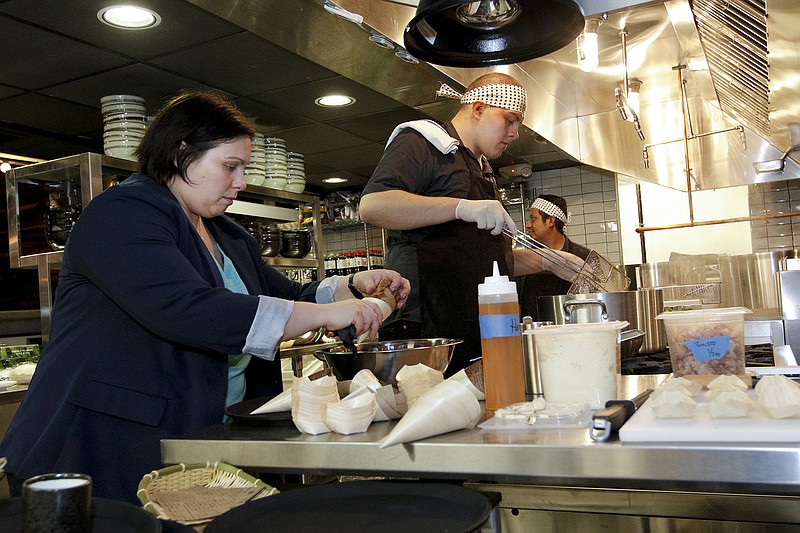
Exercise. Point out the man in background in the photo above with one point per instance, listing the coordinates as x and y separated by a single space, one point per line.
548 217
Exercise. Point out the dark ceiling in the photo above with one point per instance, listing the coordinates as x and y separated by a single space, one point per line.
58 60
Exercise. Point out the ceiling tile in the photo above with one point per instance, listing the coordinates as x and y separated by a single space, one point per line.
377 126
318 137
268 119
182 24
250 65
354 157
50 114
150 83
34 58
300 99
6 91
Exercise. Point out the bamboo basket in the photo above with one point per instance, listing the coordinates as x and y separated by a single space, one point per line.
184 476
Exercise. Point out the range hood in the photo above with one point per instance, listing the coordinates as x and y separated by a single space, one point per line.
739 81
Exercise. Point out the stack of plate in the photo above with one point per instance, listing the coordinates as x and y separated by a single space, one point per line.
124 124
296 172
254 172
275 163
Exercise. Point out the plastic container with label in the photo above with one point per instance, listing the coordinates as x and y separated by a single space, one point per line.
706 341
501 344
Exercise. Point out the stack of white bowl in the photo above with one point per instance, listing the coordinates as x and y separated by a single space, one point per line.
275 163
254 172
124 124
296 172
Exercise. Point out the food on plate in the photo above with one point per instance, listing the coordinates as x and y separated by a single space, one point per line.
672 403
726 381
729 403
779 396
23 373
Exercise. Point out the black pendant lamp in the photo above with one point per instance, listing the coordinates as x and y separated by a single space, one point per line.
459 33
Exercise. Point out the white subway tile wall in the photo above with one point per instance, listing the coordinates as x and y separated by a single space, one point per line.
771 198
591 196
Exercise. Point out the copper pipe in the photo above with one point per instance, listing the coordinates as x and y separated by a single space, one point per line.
692 224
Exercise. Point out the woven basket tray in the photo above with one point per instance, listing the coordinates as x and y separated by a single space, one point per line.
184 476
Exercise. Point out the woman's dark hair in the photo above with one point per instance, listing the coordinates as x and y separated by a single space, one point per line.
188 125
558 202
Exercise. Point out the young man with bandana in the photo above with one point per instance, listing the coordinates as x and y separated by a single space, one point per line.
548 217
435 192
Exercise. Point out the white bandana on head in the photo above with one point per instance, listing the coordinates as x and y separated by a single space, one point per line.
504 95
551 209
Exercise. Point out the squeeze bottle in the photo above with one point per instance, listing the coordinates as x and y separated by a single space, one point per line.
503 372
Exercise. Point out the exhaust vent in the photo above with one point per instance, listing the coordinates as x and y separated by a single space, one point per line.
734 37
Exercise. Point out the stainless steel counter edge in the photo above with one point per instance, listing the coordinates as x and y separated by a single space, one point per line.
543 457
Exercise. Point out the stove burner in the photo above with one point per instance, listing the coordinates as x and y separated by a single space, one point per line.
659 362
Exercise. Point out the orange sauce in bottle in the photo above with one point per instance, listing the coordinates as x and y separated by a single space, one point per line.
501 347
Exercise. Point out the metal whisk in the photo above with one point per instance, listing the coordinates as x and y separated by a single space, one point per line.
597 274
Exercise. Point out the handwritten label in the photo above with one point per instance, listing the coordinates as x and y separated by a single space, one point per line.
493 326
710 348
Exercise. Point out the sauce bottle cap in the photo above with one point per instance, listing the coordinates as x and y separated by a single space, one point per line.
496 284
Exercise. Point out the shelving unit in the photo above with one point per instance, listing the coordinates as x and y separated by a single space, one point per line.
75 180
30 191
273 204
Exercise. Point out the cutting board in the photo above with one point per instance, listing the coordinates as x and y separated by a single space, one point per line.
643 426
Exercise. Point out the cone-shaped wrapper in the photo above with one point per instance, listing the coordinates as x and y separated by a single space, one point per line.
461 377
281 402
449 406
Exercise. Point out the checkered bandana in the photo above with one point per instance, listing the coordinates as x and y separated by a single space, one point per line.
551 209
504 95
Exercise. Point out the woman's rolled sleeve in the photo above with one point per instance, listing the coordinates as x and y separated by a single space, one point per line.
266 331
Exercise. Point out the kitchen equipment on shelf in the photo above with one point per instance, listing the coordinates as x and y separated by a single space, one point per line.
271 240
296 172
124 124
295 243
275 164
59 225
386 358
596 275
533 376
254 172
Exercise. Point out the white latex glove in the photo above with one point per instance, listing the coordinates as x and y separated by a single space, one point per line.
563 264
487 214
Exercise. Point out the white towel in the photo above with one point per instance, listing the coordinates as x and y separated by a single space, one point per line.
433 132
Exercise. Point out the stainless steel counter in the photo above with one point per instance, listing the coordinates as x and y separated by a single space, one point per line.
540 457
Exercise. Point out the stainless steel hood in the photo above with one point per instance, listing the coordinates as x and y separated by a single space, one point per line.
746 77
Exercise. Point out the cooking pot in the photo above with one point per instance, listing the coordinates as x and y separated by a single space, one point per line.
639 308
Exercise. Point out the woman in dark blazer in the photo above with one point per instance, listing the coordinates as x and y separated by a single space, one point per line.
161 302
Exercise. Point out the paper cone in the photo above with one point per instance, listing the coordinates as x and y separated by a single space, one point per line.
447 407
461 377
281 402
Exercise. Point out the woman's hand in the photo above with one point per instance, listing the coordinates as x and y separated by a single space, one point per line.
364 315
367 281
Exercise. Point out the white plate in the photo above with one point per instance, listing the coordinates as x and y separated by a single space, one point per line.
7 384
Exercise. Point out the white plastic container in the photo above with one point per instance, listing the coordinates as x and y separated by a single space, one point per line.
578 362
706 341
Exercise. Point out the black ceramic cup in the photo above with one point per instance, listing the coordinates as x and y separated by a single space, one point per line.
57 503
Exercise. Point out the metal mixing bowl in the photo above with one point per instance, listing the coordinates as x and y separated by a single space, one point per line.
386 358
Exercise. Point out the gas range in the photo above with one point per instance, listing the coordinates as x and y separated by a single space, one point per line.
659 362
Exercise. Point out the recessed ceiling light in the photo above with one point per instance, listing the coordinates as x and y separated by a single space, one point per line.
335 100
129 17
334 180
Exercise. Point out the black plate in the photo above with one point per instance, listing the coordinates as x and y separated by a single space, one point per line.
108 516
361 506
240 412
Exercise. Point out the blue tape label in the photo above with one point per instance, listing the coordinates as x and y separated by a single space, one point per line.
710 348
493 326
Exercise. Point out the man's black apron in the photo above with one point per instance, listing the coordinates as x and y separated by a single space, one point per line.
453 259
